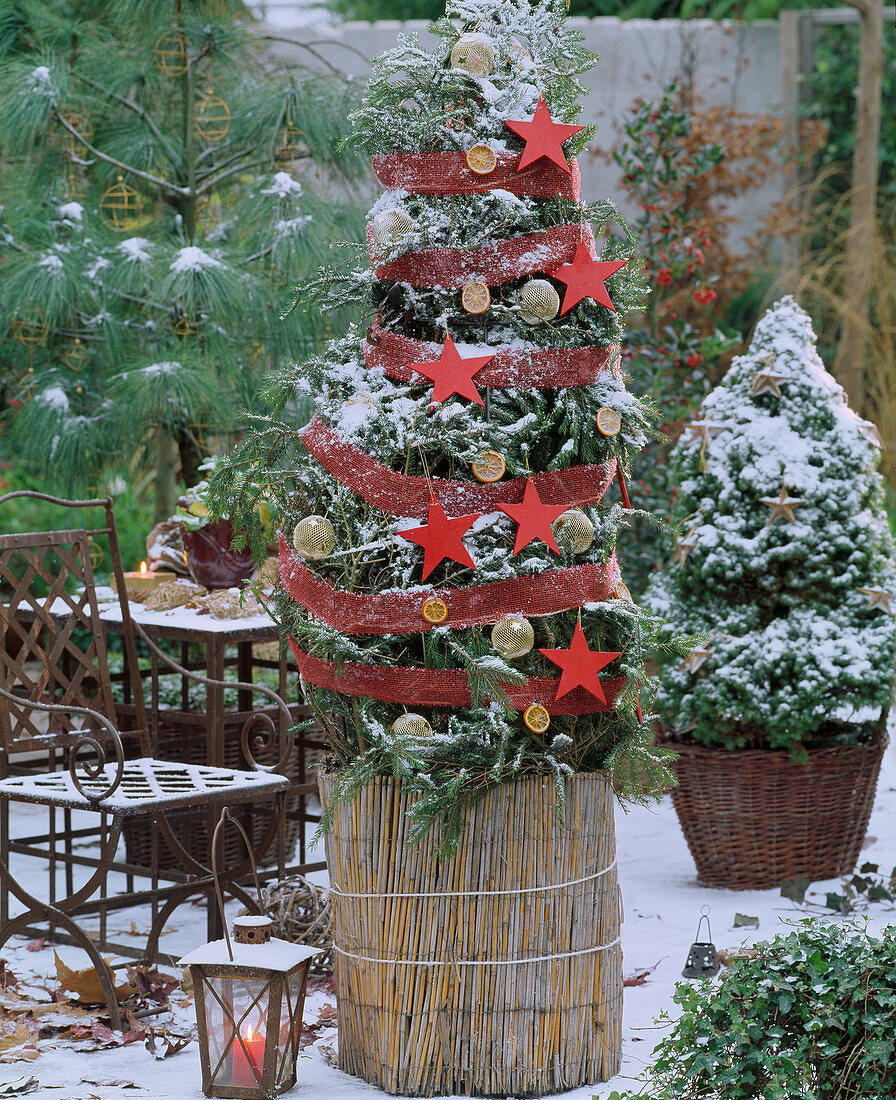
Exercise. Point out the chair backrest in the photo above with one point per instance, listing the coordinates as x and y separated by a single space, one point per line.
52 642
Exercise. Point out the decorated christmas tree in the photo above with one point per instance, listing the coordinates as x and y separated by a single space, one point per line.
786 561
154 211
449 583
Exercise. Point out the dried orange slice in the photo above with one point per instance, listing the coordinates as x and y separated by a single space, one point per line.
608 421
621 592
536 718
434 610
476 297
481 160
488 466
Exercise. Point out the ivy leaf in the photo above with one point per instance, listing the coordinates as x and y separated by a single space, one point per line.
741 920
795 889
837 902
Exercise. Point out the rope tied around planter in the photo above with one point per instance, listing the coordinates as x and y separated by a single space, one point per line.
480 962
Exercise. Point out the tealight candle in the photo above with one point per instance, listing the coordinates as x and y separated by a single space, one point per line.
138 584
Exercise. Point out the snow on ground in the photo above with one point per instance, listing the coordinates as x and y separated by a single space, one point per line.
662 906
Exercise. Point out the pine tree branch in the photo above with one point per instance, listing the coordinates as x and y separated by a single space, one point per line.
222 165
157 181
209 184
129 103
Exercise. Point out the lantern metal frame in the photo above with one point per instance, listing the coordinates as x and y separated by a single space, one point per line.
281 968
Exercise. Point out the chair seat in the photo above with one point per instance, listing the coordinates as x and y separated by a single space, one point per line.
146 785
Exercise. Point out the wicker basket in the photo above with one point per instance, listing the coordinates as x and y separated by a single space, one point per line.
753 818
498 973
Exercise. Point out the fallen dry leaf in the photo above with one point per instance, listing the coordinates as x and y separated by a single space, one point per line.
7 978
17 1045
152 985
86 983
19 1087
99 1037
160 1045
118 1084
36 945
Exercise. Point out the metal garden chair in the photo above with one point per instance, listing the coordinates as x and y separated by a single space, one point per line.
60 748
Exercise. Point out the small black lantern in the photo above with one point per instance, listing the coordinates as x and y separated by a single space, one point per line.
703 959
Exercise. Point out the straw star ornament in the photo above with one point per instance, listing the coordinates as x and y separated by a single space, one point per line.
877 597
781 506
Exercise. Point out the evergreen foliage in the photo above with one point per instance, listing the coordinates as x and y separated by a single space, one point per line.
799 656
411 96
144 340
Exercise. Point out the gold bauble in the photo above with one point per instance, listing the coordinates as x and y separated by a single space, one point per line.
473 53
434 610
120 207
391 228
172 55
513 636
608 421
213 118
536 718
475 297
488 467
289 145
481 160
76 356
576 526
538 301
30 327
411 725
314 537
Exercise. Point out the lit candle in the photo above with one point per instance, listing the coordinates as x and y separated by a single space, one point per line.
138 584
247 1062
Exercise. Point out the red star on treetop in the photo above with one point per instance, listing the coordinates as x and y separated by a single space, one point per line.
452 374
543 137
585 278
441 538
533 519
580 665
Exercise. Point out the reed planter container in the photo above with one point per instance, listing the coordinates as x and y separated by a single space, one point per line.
496 974
753 818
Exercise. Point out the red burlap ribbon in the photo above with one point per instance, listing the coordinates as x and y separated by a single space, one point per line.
449 173
400 612
436 688
545 368
400 495
498 262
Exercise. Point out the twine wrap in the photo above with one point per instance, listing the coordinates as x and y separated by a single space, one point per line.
438 688
541 368
400 612
449 173
400 495
500 975
498 262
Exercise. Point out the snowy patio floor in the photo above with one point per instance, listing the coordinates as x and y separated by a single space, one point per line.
662 905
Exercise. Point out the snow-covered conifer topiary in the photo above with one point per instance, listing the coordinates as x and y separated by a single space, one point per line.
785 561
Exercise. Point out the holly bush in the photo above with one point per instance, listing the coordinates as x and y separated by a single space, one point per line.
810 1015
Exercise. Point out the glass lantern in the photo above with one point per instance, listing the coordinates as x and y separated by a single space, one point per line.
249 1000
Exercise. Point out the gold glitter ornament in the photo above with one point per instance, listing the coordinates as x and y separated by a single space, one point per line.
608 421
171 53
434 610
481 160
391 228
314 537
475 297
213 118
473 53
488 466
575 525
513 636
411 725
538 301
536 718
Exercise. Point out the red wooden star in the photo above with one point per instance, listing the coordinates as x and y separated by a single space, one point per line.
580 665
452 374
441 538
543 137
533 519
585 278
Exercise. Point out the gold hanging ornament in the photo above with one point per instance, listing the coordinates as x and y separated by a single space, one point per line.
538 301
171 53
78 122
76 356
513 636
488 466
120 207
30 327
288 145
434 610
576 526
473 54
536 718
184 327
314 537
481 160
411 725
608 421
391 228
213 118
475 297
